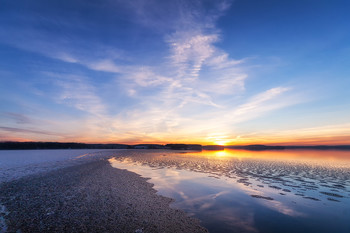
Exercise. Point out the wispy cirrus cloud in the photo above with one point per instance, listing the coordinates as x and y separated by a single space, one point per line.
77 92
180 85
216 126
185 93
262 102
31 131
18 117
318 135
190 50
324 131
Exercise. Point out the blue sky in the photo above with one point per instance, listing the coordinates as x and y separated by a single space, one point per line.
227 72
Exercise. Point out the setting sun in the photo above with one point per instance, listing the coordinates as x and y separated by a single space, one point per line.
218 139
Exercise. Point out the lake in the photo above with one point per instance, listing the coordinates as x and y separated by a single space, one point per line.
251 191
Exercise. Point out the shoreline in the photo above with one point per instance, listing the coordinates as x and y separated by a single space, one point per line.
90 197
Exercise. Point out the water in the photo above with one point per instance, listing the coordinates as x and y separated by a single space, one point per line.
249 191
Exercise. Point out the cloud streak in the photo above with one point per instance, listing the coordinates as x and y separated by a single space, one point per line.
78 93
193 89
30 131
18 118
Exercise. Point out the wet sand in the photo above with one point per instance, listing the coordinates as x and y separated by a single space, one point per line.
91 197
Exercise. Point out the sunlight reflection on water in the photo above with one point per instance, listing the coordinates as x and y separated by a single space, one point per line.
249 191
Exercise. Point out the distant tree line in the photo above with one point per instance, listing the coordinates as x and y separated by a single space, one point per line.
74 145
184 146
57 145
317 147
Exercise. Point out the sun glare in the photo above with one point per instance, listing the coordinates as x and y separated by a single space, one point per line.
221 143
220 153
218 139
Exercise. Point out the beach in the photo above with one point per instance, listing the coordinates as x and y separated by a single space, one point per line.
89 197
174 191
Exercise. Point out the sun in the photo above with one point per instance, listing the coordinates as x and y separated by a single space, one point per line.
220 142
218 139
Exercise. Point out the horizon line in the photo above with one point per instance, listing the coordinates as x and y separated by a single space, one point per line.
287 144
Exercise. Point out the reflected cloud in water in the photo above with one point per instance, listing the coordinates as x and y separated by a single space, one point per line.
249 191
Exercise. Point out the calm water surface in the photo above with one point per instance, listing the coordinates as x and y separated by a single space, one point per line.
249 191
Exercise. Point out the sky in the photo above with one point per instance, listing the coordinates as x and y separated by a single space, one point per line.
155 71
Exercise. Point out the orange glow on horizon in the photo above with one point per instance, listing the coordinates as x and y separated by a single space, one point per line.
213 139
291 155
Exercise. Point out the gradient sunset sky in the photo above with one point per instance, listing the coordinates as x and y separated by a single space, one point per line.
147 71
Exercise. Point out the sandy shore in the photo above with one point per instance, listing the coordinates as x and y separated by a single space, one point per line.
91 197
